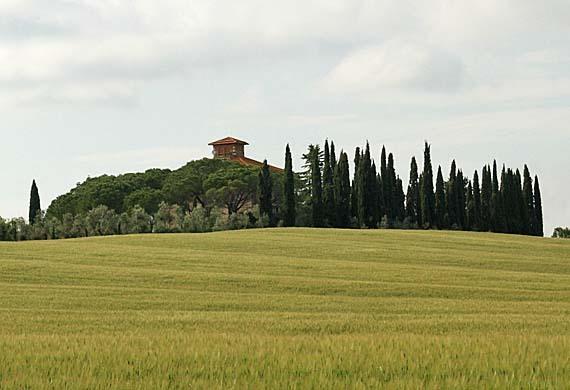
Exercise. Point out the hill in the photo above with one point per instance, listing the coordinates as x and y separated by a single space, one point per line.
285 308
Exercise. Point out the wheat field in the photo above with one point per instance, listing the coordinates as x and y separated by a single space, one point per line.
286 308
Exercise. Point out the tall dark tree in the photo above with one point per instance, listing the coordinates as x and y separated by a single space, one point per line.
539 230
427 193
521 204
476 222
35 205
530 213
328 189
386 185
375 192
365 190
317 191
470 215
486 194
452 197
461 200
400 200
440 203
289 203
495 207
355 185
413 195
379 198
333 158
392 188
265 191
342 191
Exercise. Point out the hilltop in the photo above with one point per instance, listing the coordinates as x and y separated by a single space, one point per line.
286 307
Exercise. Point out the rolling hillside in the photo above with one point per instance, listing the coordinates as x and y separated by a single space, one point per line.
286 308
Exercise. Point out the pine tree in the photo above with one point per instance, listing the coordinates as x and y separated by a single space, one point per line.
289 205
342 191
317 191
413 195
35 205
539 230
440 204
265 190
476 222
528 197
427 193
328 189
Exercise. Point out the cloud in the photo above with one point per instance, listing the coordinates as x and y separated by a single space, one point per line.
397 64
438 46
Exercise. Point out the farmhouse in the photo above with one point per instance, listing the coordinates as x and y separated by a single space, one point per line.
233 149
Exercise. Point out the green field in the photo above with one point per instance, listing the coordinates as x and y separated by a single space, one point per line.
286 308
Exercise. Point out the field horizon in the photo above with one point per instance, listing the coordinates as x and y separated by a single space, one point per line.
282 308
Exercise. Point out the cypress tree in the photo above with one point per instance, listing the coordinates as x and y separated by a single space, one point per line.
392 195
365 190
342 191
498 207
317 190
354 192
413 195
427 193
505 197
528 197
461 201
476 222
265 189
386 188
375 194
289 206
400 200
539 230
451 194
470 219
328 189
380 198
521 204
486 194
333 157
35 205
440 204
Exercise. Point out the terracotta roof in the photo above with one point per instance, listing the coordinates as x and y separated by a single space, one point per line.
254 163
228 141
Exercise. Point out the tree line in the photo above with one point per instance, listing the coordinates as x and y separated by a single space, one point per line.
561 232
374 197
211 194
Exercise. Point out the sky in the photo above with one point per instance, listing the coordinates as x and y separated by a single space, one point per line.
89 87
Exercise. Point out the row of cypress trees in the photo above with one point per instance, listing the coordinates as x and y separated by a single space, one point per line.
375 197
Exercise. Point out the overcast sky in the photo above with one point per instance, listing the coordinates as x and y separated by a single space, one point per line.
110 86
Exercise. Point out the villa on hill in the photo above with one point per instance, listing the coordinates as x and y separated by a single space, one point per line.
233 149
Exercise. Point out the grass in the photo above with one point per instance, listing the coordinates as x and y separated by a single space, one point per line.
286 308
